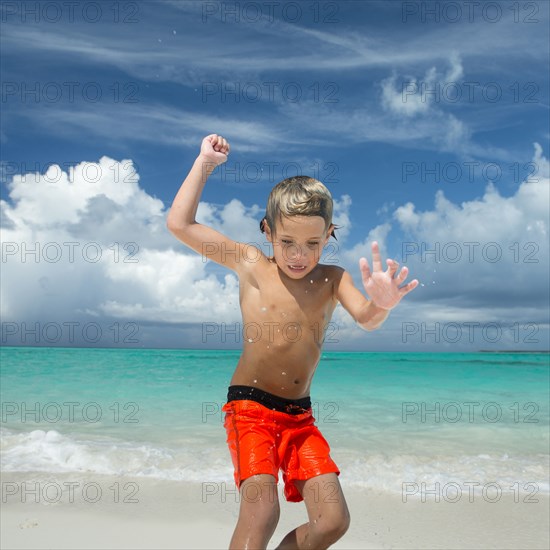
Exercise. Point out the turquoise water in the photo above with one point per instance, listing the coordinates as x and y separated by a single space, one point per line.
389 417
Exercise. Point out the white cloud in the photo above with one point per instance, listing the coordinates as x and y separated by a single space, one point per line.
104 222
468 298
350 257
410 98
490 250
92 242
416 96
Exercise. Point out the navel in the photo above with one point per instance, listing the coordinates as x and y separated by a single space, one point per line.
296 381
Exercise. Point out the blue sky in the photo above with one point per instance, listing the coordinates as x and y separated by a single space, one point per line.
428 121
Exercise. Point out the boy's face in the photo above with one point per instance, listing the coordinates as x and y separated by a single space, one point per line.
298 243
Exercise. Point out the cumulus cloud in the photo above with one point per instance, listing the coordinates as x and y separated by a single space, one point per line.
486 252
91 244
483 270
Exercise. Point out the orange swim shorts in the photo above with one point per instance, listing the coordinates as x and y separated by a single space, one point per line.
262 440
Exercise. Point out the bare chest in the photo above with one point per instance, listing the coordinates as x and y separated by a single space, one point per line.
269 299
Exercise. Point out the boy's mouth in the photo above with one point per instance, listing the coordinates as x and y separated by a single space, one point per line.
297 268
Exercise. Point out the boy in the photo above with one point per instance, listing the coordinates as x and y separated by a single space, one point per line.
287 301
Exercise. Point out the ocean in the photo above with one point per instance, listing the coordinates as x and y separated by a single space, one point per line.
390 418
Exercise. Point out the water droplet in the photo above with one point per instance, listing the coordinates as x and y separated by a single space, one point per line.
174 32
267 347
326 279
159 39
311 281
255 381
264 309
250 340
283 373
433 282
421 284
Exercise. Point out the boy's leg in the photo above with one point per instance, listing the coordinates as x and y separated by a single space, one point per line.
327 512
258 513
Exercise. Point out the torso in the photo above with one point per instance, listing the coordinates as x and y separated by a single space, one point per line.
283 326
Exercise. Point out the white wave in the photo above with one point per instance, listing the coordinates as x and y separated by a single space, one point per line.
406 474
51 451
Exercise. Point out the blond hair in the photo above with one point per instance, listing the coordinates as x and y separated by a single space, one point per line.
298 196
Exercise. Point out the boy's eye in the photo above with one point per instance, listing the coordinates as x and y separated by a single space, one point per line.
313 244
284 241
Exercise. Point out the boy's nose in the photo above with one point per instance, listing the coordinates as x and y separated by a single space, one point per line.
297 252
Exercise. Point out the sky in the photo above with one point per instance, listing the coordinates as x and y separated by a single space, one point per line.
428 122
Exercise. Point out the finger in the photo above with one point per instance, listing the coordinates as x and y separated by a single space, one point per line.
392 266
411 286
402 275
376 261
365 270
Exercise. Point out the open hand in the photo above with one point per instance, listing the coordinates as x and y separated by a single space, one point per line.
214 148
381 286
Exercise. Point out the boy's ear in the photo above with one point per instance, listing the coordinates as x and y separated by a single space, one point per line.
330 231
264 228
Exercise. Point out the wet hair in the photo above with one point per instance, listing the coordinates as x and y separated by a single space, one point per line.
298 196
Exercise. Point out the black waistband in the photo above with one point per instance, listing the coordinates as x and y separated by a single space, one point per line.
281 404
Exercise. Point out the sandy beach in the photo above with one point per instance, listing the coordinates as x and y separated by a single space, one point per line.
85 512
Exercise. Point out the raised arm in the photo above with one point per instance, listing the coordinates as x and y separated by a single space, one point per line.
181 218
382 287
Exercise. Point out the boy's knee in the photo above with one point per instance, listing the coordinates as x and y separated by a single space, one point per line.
262 516
332 528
